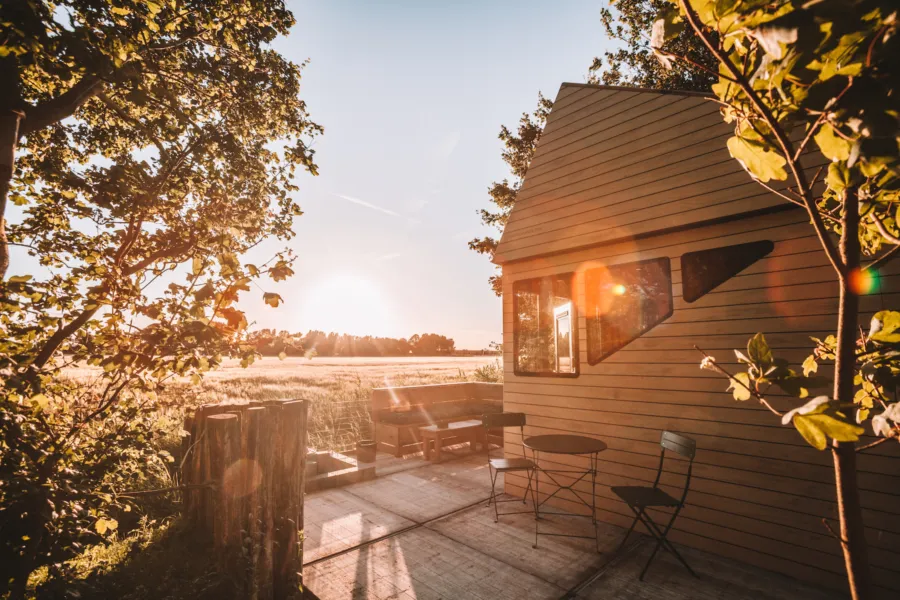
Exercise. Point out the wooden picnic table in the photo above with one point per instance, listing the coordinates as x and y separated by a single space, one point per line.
471 431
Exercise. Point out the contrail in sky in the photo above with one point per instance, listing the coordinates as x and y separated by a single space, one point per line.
369 205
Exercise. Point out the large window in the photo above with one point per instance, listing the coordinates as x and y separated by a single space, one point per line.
624 302
545 327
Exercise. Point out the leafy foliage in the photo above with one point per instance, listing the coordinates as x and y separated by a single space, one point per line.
633 62
795 77
519 147
156 143
830 71
827 70
317 343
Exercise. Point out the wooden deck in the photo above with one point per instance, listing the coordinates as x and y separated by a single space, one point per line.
423 531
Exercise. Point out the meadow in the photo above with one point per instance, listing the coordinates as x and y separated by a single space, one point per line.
154 554
338 388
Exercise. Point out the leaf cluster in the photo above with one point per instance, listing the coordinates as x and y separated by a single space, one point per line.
518 149
161 144
794 77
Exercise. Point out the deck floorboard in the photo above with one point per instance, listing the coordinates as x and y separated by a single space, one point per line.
423 531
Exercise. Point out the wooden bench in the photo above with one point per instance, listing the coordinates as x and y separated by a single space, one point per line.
399 412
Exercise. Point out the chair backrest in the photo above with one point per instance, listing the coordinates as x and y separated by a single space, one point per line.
502 420
683 446
505 419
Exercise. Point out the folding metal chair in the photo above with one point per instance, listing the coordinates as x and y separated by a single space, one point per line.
640 498
505 465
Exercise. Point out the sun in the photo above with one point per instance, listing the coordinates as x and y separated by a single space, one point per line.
347 303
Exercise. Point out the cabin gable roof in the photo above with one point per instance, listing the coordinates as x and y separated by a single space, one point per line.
616 163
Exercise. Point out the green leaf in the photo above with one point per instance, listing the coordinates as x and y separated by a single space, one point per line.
666 28
810 431
197 265
810 365
104 525
40 402
838 177
836 429
762 163
884 327
773 34
759 352
740 392
832 145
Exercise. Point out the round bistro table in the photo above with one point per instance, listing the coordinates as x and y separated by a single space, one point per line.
573 445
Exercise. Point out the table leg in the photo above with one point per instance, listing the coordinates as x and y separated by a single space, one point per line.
595 458
438 442
537 495
425 444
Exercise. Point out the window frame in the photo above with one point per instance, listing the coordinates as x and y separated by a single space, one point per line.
587 305
574 335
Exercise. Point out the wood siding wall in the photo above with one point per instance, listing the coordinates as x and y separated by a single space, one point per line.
615 164
759 493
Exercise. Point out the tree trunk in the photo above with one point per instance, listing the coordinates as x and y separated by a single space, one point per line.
853 541
9 136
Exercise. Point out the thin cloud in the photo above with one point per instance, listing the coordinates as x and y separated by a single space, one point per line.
386 211
390 256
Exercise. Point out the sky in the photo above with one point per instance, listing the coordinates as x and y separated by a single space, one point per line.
412 95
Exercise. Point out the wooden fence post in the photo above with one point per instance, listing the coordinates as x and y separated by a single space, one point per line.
291 470
225 450
255 458
258 448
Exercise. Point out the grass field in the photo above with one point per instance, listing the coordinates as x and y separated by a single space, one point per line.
338 388
155 555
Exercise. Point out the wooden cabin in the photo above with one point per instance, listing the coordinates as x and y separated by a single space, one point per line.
634 238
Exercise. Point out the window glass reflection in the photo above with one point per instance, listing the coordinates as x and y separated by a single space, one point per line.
624 302
544 326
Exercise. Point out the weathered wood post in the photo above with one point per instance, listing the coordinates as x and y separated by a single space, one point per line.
225 451
290 467
254 458
259 449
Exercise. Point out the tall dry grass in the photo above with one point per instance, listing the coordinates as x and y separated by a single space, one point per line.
338 389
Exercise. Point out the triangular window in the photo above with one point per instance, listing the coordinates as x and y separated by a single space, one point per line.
624 302
703 271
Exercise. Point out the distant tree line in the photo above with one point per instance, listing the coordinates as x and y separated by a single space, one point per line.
268 342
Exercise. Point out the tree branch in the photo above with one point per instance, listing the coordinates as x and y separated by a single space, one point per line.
883 230
780 136
109 102
61 107
881 260
734 379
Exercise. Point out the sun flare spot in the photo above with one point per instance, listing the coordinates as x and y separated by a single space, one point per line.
863 282
348 303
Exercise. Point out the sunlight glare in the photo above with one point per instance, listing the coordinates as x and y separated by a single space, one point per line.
348 303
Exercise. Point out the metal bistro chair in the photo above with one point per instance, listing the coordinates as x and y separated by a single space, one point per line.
505 465
640 498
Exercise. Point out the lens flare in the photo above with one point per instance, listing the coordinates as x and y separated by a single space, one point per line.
863 282
618 289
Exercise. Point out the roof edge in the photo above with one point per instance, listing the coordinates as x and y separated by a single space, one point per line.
625 88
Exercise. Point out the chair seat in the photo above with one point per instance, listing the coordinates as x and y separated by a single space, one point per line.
640 496
511 464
